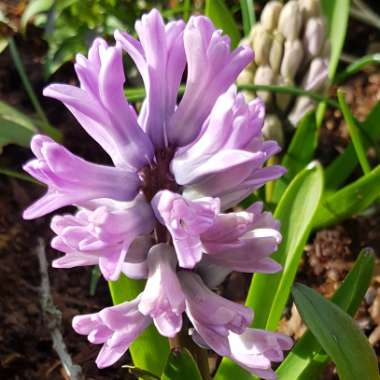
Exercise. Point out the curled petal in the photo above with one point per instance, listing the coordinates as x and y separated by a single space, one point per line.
185 220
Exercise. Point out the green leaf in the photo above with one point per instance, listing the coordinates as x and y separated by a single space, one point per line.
338 334
354 133
222 18
299 154
268 293
141 374
15 127
336 13
248 15
356 66
307 358
350 200
150 350
181 366
33 8
342 167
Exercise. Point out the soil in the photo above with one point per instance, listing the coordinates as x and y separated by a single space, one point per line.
25 342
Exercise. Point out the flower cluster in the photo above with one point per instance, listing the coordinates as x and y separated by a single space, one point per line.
291 49
160 213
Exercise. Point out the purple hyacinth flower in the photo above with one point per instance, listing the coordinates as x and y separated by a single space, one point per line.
101 236
64 173
163 299
115 327
212 316
243 241
255 349
226 160
185 220
157 210
101 107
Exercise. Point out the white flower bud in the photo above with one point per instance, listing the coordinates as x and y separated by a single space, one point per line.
245 77
302 106
314 36
292 59
264 76
270 14
273 130
283 100
309 8
275 55
290 20
262 42
317 75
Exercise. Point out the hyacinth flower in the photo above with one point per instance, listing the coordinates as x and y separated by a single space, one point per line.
164 211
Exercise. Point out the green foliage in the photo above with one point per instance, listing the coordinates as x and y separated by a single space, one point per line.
307 358
268 294
15 127
336 13
299 153
350 200
338 334
222 18
150 350
248 15
355 134
181 366
342 167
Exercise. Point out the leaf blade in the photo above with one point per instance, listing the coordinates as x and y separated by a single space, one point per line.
307 357
181 366
222 18
338 335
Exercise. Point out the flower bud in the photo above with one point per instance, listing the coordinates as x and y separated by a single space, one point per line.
309 8
302 106
270 14
272 129
314 36
264 76
293 56
245 77
262 42
283 100
275 55
290 20
317 75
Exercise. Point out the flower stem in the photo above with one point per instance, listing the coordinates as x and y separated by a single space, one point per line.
184 340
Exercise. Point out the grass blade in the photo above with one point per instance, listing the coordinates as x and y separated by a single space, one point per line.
307 358
150 351
356 66
354 133
299 154
336 13
248 15
45 125
350 200
338 334
342 167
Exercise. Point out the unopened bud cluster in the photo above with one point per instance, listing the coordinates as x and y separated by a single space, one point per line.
291 50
